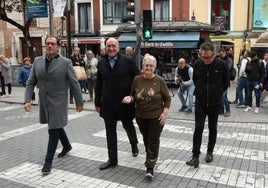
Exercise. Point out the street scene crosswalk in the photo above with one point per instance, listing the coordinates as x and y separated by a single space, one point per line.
240 155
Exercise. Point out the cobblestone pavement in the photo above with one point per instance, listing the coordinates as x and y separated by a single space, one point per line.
240 156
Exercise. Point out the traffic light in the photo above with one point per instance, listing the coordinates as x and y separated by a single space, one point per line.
130 8
147 24
133 8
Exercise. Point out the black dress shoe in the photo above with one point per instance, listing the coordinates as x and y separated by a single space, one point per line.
209 157
107 165
193 162
135 151
64 151
46 168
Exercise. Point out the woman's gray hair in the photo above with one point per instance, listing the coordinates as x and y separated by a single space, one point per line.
149 57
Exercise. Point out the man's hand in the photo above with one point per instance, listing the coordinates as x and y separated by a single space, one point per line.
27 106
97 108
80 108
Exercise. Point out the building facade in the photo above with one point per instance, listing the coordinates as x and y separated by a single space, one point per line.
92 21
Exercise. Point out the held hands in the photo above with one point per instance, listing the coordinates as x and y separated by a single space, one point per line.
127 99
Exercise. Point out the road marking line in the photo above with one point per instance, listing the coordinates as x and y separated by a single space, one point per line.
13 107
30 174
35 127
261 126
225 135
228 151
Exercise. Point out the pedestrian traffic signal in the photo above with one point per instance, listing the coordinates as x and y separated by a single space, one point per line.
131 9
147 24
147 34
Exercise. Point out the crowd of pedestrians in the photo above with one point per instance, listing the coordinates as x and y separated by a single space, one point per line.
251 77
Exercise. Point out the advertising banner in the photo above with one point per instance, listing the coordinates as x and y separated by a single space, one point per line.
36 8
260 16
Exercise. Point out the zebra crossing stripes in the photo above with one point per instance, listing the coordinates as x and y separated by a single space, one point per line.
30 174
35 127
228 151
217 173
12 107
206 172
226 135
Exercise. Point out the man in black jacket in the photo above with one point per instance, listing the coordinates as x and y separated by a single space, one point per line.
255 74
211 78
114 78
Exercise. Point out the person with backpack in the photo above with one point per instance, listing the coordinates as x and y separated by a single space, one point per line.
264 93
184 77
242 79
255 76
230 64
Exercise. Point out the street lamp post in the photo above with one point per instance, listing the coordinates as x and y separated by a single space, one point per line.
245 35
51 13
62 26
68 26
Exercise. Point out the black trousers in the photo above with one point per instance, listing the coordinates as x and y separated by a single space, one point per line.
151 131
54 136
111 136
201 111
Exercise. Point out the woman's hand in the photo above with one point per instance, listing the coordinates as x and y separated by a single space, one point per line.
127 99
163 117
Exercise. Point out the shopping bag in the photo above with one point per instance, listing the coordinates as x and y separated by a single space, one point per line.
80 73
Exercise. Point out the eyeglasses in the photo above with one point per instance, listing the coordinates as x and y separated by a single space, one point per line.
51 43
208 57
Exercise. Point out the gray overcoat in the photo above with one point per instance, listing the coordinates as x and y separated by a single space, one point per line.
53 89
6 71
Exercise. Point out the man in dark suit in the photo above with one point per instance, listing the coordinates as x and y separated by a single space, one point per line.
53 73
114 77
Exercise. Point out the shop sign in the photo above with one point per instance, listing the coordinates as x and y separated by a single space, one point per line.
36 9
157 44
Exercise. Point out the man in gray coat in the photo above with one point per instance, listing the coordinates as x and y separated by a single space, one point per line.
53 73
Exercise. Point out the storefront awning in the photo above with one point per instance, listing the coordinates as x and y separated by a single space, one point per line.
83 40
263 38
162 40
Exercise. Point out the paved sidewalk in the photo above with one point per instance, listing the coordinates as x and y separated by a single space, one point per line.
237 114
